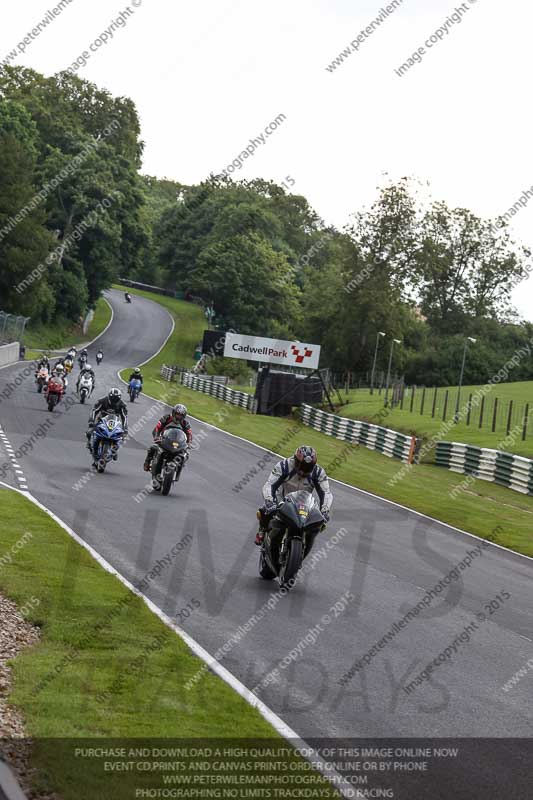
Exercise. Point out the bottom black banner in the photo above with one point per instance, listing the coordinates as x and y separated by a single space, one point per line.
405 769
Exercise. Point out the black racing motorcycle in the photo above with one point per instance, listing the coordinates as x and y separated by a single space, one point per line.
289 537
169 460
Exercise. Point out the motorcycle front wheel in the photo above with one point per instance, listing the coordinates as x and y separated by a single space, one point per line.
157 466
292 562
167 481
264 570
102 458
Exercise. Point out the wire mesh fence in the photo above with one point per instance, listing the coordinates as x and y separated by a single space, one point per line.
11 327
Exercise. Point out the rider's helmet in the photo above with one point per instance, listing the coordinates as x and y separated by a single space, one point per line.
114 396
60 369
136 371
87 367
179 412
304 459
84 352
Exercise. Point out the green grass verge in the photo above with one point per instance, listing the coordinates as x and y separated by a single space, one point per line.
363 405
82 610
425 488
65 333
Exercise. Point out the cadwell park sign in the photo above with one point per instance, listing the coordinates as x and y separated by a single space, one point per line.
271 351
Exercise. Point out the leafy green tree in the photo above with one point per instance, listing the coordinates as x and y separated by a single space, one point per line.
464 268
24 241
250 283
81 125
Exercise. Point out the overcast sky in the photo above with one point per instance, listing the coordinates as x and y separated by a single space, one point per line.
209 76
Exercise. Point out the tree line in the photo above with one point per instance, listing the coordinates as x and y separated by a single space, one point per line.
422 272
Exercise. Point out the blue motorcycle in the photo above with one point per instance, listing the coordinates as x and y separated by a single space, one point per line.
106 440
134 389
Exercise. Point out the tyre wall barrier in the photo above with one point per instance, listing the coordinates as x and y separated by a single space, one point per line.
218 390
374 437
506 469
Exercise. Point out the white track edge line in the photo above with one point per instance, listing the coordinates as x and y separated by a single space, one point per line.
215 666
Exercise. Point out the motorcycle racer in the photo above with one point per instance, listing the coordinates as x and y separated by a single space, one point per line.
43 363
59 371
82 358
299 473
86 371
112 403
136 375
178 416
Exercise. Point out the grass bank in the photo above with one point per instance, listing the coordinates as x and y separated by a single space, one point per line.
425 488
98 640
363 405
65 333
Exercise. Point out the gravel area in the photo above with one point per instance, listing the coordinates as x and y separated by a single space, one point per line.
15 635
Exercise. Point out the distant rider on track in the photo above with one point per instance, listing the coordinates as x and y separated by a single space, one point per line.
88 372
43 363
137 376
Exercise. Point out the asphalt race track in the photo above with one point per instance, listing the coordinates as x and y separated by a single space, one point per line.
387 559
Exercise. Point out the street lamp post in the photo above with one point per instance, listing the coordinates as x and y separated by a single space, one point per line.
380 333
209 313
456 415
394 341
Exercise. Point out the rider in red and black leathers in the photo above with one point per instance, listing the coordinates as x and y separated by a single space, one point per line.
178 416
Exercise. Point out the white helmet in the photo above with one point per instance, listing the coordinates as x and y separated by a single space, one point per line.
87 366
60 368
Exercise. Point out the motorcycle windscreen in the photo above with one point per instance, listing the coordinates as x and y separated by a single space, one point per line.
301 508
111 424
173 440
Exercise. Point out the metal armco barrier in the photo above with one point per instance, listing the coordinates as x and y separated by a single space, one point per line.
206 385
506 469
386 441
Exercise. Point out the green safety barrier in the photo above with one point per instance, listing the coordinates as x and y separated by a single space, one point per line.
505 469
374 437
